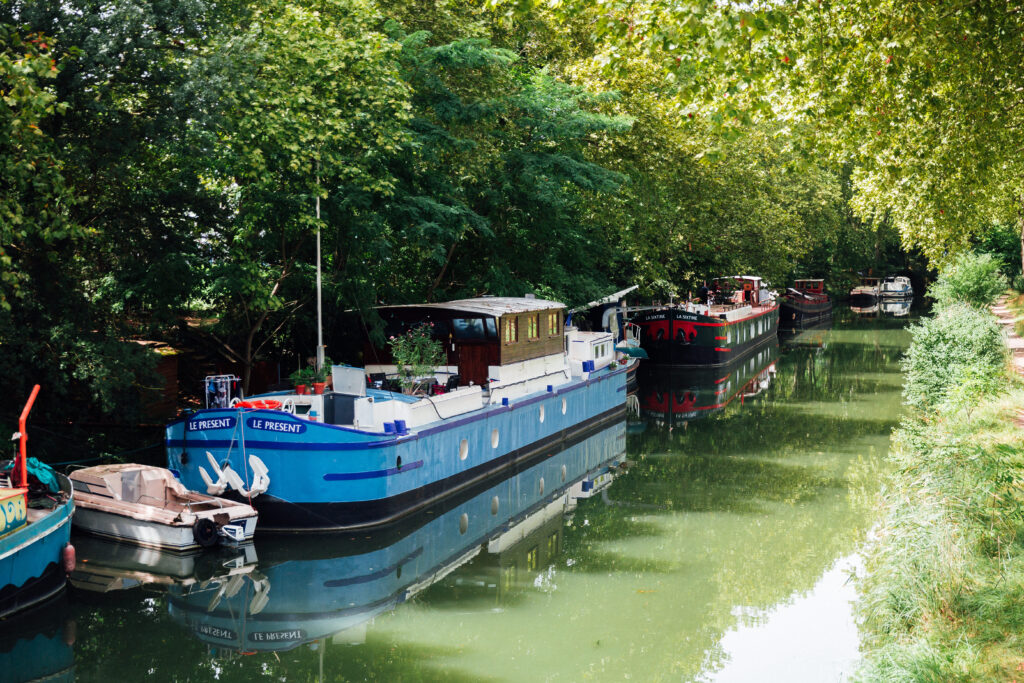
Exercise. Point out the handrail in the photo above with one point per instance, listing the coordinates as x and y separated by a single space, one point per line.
22 466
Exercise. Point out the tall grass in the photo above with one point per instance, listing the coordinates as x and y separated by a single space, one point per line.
943 597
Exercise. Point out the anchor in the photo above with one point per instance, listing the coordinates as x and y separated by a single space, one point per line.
227 477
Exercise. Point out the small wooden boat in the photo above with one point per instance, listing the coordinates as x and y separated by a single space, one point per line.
35 531
147 506
869 288
804 304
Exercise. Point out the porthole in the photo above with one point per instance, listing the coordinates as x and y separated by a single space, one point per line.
463 523
563 406
494 438
542 486
463 449
494 505
542 413
563 474
398 463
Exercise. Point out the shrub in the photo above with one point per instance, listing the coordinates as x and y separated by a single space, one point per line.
974 279
957 357
1018 283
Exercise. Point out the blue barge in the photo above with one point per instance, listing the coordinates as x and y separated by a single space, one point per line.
517 384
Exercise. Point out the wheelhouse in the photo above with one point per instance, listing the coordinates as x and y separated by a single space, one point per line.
477 334
810 286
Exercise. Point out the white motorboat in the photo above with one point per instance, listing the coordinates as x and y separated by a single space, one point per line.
147 506
896 287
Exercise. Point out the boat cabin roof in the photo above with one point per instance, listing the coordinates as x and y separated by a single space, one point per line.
808 280
750 278
492 306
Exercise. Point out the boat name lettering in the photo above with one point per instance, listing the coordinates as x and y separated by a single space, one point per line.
277 636
211 423
275 425
687 316
214 631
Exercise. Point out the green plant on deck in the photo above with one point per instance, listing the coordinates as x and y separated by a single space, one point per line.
302 376
321 374
973 279
417 355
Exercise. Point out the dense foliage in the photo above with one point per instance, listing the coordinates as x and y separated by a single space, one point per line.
958 351
974 279
172 169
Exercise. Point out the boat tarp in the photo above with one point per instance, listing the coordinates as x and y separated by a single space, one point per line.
42 472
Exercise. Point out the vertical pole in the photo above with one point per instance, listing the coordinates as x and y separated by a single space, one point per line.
23 431
319 304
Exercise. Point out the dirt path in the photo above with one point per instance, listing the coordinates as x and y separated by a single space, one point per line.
1013 342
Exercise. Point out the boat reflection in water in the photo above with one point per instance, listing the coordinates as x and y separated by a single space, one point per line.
105 566
889 308
810 337
672 397
899 308
333 585
37 645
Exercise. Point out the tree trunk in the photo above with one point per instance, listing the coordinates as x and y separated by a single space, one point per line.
1020 224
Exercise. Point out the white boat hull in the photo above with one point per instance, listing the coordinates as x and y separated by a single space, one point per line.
149 534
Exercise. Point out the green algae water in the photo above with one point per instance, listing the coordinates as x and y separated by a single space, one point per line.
709 537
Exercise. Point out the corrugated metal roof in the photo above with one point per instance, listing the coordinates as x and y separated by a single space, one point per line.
496 306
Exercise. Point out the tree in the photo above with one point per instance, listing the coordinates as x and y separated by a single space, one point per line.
309 105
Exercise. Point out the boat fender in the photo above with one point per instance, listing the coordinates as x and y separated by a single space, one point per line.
204 531
67 558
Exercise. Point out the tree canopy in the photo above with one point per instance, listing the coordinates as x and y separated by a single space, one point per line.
163 162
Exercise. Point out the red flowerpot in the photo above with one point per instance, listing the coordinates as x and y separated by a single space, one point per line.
300 389
318 387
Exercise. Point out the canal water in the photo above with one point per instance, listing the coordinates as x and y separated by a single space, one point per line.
711 536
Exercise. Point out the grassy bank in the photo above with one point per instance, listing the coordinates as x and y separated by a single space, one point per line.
943 597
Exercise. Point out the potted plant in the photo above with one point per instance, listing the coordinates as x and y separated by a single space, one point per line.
319 379
301 379
417 356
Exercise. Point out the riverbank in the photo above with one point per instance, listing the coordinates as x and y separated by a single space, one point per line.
943 596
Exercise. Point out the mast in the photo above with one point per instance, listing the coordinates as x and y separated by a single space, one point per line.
22 468
319 303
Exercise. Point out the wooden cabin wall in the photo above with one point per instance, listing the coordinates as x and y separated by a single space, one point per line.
549 342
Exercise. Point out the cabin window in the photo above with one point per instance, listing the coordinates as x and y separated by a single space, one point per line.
468 328
510 330
533 326
492 328
554 328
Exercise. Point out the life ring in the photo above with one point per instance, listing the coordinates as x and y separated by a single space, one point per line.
267 403
204 531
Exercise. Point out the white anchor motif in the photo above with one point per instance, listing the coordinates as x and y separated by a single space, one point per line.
227 477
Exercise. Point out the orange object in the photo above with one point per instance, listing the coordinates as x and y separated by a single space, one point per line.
267 403
22 429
